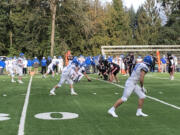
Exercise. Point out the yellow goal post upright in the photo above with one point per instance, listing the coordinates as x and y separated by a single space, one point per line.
142 50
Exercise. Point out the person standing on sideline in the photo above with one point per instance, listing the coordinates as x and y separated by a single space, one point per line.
163 64
55 68
29 65
35 65
19 67
60 64
175 63
131 85
25 66
43 65
170 65
154 60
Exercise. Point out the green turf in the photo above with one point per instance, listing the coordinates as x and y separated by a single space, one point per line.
92 108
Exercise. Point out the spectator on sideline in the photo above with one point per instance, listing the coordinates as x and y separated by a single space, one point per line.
60 64
170 65
175 63
43 65
35 65
154 62
163 64
49 60
29 65
55 68
2 66
25 62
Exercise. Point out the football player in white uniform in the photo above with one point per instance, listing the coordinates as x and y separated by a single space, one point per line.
10 69
19 67
60 65
81 73
69 74
131 85
51 68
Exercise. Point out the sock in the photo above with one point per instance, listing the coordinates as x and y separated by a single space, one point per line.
53 89
112 109
139 110
72 90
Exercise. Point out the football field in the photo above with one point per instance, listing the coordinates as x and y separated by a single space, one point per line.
27 109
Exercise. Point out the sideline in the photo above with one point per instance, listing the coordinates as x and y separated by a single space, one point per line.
23 115
152 98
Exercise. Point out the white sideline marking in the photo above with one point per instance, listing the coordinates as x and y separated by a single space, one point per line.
23 115
153 98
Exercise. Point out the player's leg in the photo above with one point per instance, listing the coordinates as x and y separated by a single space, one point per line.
72 90
115 74
52 73
48 71
142 96
129 87
20 73
12 75
84 73
70 82
62 80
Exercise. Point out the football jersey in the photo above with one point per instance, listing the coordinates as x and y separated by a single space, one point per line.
135 76
10 63
54 60
82 69
60 61
19 62
67 69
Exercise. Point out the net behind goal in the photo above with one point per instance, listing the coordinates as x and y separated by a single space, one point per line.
140 49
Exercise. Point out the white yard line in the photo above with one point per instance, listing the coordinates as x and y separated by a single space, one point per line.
152 98
162 78
23 115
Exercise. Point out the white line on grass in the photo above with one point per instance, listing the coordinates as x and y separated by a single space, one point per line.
161 78
152 98
23 115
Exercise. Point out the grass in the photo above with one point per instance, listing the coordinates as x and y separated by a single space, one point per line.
92 108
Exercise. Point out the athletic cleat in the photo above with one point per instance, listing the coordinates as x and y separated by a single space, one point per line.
141 114
21 82
52 93
112 113
74 93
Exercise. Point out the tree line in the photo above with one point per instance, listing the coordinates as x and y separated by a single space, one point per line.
51 27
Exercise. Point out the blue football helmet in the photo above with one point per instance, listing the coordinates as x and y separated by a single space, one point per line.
75 61
21 54
148 60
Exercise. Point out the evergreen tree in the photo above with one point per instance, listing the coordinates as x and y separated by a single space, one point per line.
149 24
118 25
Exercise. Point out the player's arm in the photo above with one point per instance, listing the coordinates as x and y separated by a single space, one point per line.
142 74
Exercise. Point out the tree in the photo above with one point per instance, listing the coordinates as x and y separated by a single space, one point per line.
118 25
149 24
53 5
